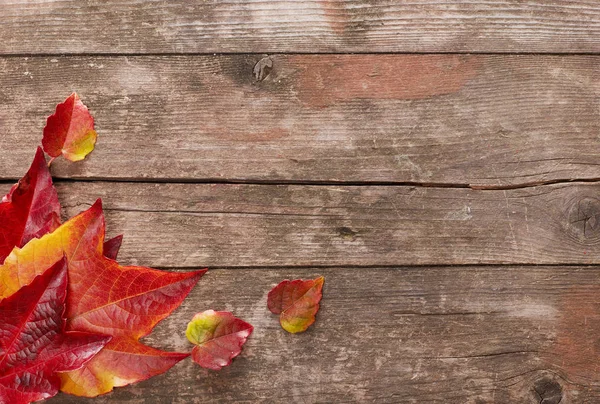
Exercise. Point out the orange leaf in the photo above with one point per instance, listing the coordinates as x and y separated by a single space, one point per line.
123 361
296 302
70 130
104 297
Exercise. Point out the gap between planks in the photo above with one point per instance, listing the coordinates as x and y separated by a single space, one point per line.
403 267
214 181
283 53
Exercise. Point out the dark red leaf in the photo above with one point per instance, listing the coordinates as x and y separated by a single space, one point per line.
31 208
33 343
112 247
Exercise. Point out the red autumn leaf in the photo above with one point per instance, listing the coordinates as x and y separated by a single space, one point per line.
30 209
33 343
122 362
218 336
70 130
112 247
125 302
296 302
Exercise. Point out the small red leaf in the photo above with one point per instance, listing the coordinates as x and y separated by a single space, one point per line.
31 208
296 302
112 247
218 336
33 343
70 130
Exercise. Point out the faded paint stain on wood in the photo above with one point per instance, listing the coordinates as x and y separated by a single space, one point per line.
325 81
576 346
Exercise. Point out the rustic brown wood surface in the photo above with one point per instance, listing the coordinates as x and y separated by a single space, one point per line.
191 225
130 26
398 335
451 119
449 196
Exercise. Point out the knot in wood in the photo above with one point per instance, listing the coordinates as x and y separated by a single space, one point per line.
346 233
584 219
262 68
548 391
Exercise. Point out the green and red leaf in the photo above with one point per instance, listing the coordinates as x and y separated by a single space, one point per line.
31 208
218 336
296 302
33 343
70 130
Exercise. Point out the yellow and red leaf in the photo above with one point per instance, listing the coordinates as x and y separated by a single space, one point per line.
70 130
296 302
123 361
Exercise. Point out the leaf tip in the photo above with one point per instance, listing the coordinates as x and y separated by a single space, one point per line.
97 206
200 272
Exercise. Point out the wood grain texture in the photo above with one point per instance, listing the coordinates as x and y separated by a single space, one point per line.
191 225
481 120
133 26
476 335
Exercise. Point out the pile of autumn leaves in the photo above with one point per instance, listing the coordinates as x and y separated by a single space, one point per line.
72 316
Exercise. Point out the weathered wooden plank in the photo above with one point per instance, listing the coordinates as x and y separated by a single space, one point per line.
133 26
189 225
484 120
400 335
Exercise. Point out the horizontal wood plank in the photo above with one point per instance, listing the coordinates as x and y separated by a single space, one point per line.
133 26
481 120
476 335
191 225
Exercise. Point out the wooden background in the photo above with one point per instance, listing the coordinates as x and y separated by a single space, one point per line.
437 161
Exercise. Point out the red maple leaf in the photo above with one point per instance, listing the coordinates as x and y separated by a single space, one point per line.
125 302
33 342
30 209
